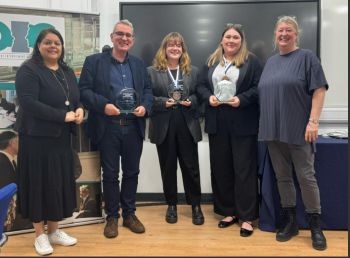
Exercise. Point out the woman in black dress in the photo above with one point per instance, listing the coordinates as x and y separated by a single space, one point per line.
48 111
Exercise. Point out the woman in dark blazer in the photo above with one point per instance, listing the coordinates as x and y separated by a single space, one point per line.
174 126
49 110
231 120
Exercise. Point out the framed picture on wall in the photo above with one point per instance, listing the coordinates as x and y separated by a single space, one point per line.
8 108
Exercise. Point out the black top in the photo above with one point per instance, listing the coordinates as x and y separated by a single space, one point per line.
42 107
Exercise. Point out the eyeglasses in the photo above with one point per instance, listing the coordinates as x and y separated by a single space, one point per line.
237 27
286 17
121 34
234 25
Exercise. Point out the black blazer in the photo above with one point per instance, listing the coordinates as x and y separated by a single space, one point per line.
7 171
160 115
246 116
96 91
41 100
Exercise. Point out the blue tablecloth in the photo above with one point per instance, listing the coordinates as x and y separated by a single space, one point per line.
331 166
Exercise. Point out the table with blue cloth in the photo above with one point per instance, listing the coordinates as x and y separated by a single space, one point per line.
331 166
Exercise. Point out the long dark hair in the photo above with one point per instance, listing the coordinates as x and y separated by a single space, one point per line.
36 56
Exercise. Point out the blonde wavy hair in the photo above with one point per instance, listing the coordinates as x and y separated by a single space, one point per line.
160 62
240 57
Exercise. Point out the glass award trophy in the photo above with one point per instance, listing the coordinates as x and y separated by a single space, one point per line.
127 100
225 90
178 92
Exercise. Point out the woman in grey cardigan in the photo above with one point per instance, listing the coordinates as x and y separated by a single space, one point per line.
174 126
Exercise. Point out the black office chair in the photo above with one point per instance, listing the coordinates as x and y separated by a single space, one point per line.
6 194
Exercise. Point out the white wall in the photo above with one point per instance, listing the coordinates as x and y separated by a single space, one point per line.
334 57
84 6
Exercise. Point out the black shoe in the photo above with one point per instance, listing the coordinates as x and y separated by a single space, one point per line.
225 224
290 227
245 232
319 241
171 214
197 215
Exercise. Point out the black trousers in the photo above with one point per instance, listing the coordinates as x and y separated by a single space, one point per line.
233 161
179 145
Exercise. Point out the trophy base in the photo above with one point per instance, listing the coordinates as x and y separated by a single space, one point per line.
126 112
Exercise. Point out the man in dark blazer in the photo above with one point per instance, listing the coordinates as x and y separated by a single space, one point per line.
8 167
117 135
8 153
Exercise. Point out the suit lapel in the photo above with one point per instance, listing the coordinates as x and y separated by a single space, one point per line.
186 80
242 72
11 164
210 76
163 82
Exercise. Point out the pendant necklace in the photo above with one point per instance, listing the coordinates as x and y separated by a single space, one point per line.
66 94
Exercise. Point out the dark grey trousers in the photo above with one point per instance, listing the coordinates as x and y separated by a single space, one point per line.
284 158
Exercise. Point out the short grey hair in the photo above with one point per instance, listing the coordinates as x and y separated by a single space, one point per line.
125 22
84 188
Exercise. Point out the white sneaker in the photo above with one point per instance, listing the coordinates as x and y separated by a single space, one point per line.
60 238
42 245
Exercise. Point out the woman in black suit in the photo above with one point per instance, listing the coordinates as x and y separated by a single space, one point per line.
174 126
228 87
48 112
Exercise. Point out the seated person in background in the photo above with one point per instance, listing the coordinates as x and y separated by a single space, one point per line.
88 205
8 153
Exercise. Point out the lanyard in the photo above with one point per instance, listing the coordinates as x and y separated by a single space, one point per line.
227 65
177 76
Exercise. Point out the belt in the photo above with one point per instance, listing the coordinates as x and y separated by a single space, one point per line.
122 121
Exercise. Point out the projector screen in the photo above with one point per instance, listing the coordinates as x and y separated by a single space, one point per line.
201 24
